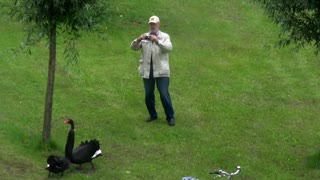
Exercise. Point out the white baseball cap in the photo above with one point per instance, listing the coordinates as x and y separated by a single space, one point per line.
154 19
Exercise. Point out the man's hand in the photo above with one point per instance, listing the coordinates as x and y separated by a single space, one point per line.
154 38
143 36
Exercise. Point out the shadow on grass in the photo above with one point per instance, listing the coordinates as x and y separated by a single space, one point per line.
313 161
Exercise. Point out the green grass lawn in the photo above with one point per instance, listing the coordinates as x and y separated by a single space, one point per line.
237 102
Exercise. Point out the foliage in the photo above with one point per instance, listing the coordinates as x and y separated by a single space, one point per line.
70 16
299 21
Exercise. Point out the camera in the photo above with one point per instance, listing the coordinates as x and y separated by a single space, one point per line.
148 37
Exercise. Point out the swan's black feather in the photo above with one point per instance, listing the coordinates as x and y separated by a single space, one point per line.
57 164
85 152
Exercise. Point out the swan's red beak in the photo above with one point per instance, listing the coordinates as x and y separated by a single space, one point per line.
67 121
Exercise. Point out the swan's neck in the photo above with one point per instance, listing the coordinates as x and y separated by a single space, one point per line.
72 125
69 145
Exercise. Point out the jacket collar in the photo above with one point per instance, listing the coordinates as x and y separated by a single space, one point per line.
158 33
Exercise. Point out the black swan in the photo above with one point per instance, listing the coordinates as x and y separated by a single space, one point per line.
57 164
85 152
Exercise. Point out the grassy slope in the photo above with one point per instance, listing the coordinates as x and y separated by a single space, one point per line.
236 102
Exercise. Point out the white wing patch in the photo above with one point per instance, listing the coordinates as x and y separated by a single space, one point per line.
96 154
48 165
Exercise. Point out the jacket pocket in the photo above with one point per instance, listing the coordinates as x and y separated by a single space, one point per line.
140 68
164 68
164 72
145 44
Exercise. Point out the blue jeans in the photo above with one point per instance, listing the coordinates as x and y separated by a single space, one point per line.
163 88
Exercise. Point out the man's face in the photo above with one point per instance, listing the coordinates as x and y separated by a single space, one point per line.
154 27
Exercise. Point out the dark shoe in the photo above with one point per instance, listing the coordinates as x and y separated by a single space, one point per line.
150 119
171 122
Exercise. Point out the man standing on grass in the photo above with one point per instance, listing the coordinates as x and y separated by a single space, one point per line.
154 68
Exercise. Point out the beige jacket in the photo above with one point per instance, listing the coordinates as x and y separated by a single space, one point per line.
159 52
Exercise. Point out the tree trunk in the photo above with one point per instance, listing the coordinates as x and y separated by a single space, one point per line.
50 84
